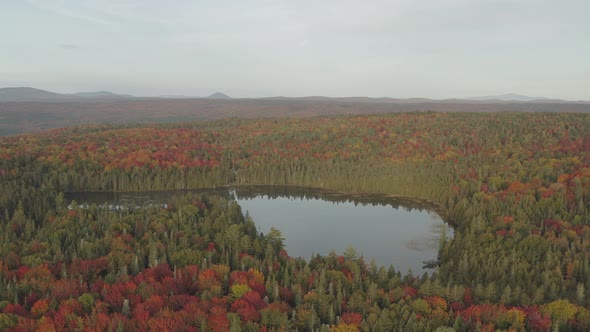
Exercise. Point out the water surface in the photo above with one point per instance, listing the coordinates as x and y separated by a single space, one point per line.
401 232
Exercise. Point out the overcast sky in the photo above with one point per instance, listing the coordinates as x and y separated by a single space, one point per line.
253 48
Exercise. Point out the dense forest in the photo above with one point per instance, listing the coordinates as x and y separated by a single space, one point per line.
516 187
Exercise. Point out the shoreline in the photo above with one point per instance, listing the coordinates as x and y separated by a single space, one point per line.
439 209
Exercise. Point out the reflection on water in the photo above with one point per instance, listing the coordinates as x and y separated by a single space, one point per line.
438 230
401 232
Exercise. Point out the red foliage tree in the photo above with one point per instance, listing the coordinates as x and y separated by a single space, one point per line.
16 309
66 288
537 321
353 318
218 321
254 299
39 308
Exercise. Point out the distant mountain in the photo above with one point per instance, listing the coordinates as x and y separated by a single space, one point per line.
18 118
500 99
353 99
23 94
508 97
219 95
101 94
30 94
173 96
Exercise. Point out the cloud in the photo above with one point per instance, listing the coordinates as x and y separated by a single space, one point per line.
62 8
135 11
68 46
105 12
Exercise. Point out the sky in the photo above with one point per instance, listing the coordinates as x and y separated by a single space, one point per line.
260 48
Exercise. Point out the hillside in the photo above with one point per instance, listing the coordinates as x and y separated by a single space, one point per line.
26 117
219 95
101 94
18 94
509 97
27 94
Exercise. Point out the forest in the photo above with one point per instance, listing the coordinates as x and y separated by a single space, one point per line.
515 187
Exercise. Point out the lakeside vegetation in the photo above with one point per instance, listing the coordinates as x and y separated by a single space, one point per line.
516 186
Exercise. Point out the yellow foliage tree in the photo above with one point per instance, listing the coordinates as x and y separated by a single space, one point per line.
238 290
560 310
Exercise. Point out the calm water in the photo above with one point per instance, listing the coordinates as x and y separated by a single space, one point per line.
402 233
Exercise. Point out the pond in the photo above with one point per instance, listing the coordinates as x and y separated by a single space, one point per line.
401 232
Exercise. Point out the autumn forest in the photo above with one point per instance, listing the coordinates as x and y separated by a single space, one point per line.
514 186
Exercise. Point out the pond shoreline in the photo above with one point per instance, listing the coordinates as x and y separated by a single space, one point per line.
252 198
416 201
